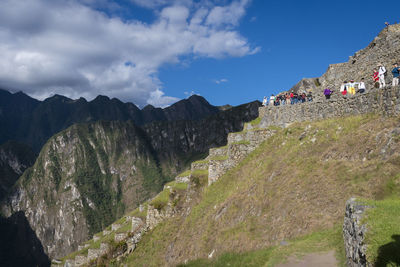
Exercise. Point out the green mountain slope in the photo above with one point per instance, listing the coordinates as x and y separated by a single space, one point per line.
83 180
295 184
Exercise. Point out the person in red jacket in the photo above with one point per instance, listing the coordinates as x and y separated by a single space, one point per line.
375 77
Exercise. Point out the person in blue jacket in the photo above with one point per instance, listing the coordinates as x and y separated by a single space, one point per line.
395 72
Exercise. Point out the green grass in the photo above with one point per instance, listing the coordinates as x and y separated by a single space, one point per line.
320 241
243 142
204 161
383 232
184 174
255 122
140 214
125 228
161 200
177 186
221 157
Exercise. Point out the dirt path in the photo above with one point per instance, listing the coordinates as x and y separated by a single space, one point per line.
326 259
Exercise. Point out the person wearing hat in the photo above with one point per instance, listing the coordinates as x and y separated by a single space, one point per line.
351 87
395 72
381 75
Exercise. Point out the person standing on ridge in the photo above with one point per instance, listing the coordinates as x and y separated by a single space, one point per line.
395 72
381 74
264 103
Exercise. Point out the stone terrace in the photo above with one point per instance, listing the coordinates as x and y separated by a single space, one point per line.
384 101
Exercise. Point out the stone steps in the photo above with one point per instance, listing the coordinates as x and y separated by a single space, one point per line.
199 165
131 237
221 159
216 152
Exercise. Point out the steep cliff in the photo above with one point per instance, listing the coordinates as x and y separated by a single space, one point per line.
83 179
90 174
15 158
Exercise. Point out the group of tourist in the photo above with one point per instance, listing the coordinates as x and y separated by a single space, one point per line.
378 77
348 87
287 98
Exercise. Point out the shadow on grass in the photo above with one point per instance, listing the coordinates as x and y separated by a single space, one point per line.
389 254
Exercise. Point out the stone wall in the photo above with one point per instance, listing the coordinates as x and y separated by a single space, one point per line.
354 233
382 101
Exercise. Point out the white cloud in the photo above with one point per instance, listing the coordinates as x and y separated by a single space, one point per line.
227 15
68 47
157 98
221 81
190 93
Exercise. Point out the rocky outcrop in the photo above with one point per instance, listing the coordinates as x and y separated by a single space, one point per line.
15 158
82 181
354 234
384 49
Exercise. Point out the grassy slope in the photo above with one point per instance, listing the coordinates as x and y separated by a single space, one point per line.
294 185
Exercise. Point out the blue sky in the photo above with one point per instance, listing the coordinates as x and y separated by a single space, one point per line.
159 51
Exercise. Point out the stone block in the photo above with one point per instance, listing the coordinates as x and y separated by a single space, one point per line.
136 224
121 236
354 233
104 247
217 152
93 253
115 226
69 263
106 232
80 260
199 165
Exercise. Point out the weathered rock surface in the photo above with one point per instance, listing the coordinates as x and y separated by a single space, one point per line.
354 234
15 158
82 181
384 49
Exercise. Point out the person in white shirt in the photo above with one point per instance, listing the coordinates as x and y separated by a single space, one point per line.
343 88
381 76
272 100
361 86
